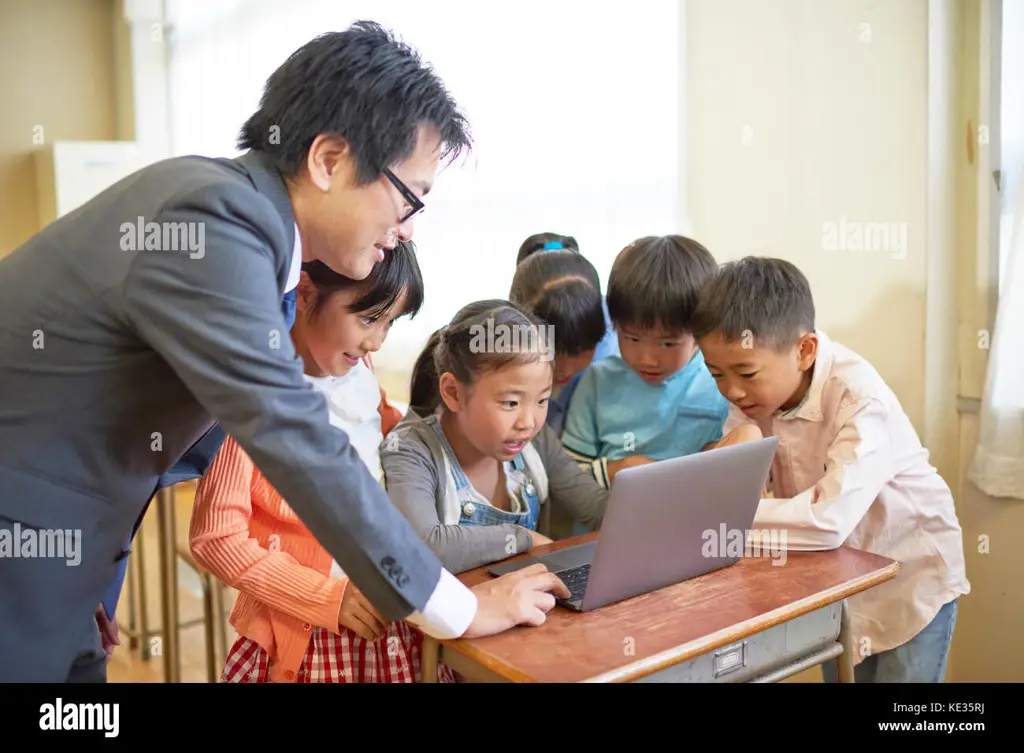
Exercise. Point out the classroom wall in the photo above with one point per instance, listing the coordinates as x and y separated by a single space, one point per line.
60 62
797 125
803 115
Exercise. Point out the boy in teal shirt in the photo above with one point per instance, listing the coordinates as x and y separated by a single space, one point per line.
656 400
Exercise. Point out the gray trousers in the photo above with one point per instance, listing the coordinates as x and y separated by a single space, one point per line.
48 630
91 664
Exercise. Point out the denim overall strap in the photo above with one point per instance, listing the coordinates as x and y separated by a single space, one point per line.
461 482
473 508
474 511
528 491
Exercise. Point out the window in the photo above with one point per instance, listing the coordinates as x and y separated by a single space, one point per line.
1011 103
998 464
573 107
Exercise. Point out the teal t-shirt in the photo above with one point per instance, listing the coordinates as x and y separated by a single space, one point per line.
616 413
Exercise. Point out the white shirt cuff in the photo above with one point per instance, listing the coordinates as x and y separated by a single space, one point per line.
449 611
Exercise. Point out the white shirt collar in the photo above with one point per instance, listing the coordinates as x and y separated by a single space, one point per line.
296 270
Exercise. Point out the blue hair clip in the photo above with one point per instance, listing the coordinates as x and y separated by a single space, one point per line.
552 245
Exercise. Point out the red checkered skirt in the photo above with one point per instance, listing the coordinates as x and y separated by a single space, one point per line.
345 657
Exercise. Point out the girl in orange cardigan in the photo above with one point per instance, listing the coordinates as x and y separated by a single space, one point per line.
299 617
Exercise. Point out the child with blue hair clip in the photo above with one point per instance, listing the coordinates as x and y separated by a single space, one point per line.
559 285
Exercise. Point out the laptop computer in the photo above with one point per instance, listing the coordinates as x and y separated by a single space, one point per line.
666 522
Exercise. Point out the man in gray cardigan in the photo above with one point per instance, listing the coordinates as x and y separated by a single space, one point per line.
134 325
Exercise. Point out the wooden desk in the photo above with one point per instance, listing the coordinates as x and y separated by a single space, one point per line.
751 622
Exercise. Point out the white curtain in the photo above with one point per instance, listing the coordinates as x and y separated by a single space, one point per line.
998 467
574 108
998 464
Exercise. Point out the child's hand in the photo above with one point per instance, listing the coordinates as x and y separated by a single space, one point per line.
358 614
740 435
632 461
539 539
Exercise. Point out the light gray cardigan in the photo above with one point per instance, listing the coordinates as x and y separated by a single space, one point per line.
418 483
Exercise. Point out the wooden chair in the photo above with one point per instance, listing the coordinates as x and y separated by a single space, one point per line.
214 620
172 546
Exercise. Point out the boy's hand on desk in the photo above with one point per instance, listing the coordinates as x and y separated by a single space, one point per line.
539 539
523 597
632 461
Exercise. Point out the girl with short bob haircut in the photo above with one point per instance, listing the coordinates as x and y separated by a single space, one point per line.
299 617
562 288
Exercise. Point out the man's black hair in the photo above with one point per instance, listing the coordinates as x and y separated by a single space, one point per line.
361 84
766 299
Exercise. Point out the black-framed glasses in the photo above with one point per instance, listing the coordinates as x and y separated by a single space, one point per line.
407 194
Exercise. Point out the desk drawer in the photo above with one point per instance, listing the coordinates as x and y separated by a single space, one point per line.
762 652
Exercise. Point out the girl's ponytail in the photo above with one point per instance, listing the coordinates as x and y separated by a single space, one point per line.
424 392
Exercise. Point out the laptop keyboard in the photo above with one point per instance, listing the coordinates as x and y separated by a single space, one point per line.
575 579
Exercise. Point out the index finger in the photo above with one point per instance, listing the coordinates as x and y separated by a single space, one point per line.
550 582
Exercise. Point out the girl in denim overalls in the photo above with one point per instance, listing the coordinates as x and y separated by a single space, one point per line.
522 487
474 465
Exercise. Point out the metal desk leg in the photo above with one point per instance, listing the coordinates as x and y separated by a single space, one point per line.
169 585
430 658
133 635
845 660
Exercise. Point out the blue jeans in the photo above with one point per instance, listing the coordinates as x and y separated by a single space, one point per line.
578 529
921 659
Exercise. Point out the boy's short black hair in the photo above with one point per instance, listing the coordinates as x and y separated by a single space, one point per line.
767 299
564 290
363 85
536 243
656 280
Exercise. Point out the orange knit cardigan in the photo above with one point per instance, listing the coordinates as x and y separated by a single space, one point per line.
244 534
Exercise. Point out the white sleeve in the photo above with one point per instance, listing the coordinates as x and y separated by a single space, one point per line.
449 611
859 464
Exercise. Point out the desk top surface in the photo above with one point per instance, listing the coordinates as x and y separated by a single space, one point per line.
631 639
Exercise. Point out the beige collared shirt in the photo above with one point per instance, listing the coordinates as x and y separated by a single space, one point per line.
851 471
